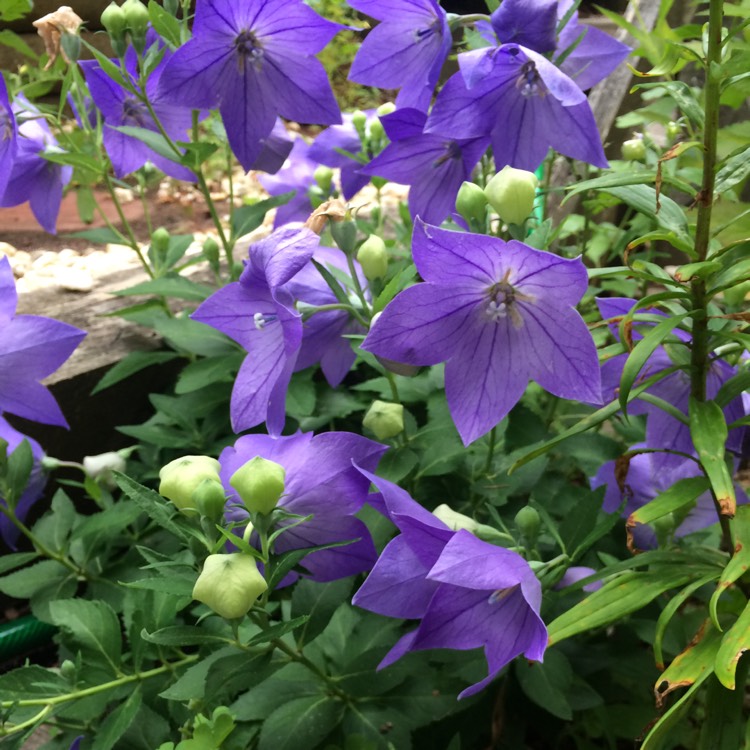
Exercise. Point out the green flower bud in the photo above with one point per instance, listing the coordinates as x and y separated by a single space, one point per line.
471 202
384 420
211 252
68 670
113 20
344 234
260 484
454 520
528 523
634 149
229 584
373 257
377 131
385 109
511 193
673 130
181 477
359 120
323 177
137 18
209 498
159 245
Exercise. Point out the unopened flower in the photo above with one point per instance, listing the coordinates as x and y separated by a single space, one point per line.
181 477
373 257
385 420
498 314
31 348
466 593
52 27
259 483
511 192
229 584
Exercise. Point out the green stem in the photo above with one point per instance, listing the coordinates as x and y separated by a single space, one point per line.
490 451
337 306
132 241
394 388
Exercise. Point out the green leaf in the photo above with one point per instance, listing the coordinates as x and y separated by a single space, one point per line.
164 23
248 218
31 682
194 337
169 286
547 684
19 466
616 599
739 562
155 141
723 727
12 10
679 496
117 723
91 626
276 631
733 388
734 170
400 281
708 429
23 584
173 585
319 601
16 560
132 363
333 284
701 270
612 179
203 372
86 204
664 729
684 97
103 236
191 684
735 642
10 39
288 560
183 635
303 722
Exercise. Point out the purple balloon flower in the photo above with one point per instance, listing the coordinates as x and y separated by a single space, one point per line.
663 431
35 485
326 149
298 174
8 137
499 314
406 50
120 107
275 150
254 60
466 593
530 23
322 480
33 178
31 348
258 313
434 165
523 103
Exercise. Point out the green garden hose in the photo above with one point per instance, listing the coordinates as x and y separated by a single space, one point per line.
22 635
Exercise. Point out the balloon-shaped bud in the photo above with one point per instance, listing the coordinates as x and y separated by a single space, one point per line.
113 20
359 120
344 234
385 109
211 253
377 131
159 245
528 523
260 484
471 202
137 19
229 584
209 498
384 420
511 192
324 178
181 477
373 257
634 149
101 466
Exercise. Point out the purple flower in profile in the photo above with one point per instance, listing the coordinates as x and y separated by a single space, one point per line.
31 348
433 165
523 103
327 147
34 488
323 333
406 50
322 480
298 174
33 178
120 107
663 431
466 593
254 60
578 573
8 137
258 313
498 314
647 476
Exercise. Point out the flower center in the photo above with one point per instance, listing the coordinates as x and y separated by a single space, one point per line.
452 151
135 112
421 34
261 320
249 51
503 299
530 83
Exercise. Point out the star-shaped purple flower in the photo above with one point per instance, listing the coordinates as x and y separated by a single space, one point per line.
406 50
466 593
8 137
434 165
498 314
322 480
33 178
31 348
523 103
258 313
254 60
34 488
298 174
120 107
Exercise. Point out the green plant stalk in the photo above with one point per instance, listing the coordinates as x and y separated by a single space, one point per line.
699 361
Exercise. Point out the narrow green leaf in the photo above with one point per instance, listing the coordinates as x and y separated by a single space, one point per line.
334 285
116 724
738 564
16 560
155 141
680 495
132 363
183 635
735 642
247 218
276 631
169 286
164 23
24 583
735 169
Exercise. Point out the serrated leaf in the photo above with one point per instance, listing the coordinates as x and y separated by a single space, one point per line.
191 684
303 722
194 337
319 601
117 723
183 635
132 363
169 286
23 584
276 631
16 560
203 372
547 684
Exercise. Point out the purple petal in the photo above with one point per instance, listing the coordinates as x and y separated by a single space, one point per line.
531 23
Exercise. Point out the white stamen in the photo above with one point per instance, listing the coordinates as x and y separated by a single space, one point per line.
496 310
260 321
